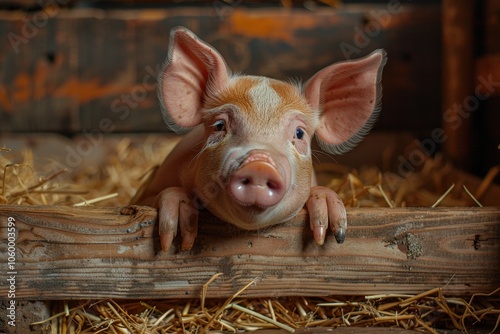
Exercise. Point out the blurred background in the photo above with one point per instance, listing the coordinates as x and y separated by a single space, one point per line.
88 68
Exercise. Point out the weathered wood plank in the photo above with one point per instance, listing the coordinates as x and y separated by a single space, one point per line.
71 253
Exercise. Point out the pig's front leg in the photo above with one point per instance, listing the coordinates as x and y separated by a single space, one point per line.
325 209
176 210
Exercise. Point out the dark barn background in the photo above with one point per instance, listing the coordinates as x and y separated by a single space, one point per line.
67 65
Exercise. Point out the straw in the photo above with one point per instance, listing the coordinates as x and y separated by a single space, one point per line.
117 179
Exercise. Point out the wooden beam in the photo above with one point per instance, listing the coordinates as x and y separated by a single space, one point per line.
458 79
488 71
96 252
490 26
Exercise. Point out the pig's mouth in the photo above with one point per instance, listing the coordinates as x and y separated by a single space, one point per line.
258 189
256 181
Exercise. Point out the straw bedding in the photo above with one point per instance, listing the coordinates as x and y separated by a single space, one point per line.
114 181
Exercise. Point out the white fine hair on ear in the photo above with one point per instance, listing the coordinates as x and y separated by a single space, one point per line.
349 144
163 107
209 89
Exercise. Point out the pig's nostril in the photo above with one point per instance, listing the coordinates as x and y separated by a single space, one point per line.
272 185
245 181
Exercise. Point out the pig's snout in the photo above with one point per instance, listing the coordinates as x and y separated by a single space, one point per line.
257 183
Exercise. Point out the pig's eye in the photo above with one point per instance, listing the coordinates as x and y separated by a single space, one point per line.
299 133
219 125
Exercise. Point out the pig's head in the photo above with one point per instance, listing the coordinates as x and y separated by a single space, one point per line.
254 168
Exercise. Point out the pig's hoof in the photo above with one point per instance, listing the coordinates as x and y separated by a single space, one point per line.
340 234
176 211
325 209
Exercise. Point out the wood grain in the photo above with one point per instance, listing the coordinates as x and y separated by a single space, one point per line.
93 252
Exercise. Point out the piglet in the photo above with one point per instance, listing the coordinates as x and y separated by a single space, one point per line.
247 158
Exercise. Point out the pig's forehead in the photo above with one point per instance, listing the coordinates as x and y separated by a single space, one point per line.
261 96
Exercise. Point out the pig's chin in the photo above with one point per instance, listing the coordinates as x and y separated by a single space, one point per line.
254 217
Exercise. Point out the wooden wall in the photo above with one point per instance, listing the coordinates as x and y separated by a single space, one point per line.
84 65
72 70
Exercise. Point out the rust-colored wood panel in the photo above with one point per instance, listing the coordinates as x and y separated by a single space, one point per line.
38 63
70 253
99 65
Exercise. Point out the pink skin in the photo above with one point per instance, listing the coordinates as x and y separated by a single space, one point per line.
248 158
257 182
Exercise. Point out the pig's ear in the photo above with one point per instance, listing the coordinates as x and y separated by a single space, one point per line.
348 96
192 70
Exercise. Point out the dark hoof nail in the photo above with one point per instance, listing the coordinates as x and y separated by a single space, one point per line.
340 236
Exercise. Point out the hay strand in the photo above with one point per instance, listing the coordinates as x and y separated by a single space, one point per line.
96 200
440 199
487 181
262 317
472 196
